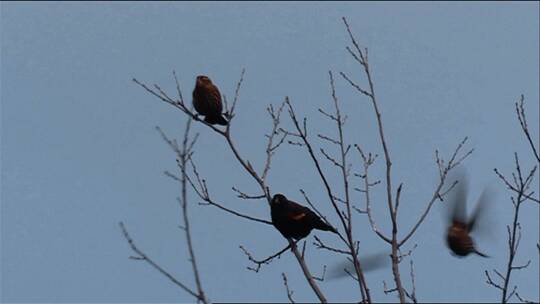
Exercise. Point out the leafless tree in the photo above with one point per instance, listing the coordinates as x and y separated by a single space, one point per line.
274 141
299 135
183 156
519 185
360 55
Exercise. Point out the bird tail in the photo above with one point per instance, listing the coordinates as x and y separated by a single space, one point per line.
219 119
481 254
324 226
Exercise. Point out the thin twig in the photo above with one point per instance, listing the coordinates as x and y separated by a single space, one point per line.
271 147
184 156
267 260
320 245
202 191
143 257
452 163
520 112
243 195
370 93
289 291
519 188
413 293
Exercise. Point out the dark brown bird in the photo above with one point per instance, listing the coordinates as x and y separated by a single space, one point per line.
458 236
207 101
294 220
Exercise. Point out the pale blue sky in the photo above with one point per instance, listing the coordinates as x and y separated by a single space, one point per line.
80 153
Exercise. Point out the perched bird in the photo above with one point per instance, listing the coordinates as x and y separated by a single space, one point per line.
460 227
294 220
207 101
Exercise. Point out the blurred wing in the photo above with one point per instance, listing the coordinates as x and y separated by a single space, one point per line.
374 261
340 269
368 263
481 217
457 202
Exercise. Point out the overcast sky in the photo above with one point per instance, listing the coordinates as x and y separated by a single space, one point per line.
80 152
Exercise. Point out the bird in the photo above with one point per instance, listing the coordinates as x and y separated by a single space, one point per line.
294 220
458 238
207 101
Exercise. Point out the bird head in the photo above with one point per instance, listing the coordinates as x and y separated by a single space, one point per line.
279 199
202 79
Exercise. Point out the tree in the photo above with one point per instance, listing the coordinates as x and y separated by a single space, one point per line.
299 134
519 186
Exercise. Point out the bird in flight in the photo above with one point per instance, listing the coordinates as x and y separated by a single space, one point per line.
458 237
207 101
294 220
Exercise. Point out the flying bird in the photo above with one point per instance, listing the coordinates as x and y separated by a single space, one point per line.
207 101
458 237
294 220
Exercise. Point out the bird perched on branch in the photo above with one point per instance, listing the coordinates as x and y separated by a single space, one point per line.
294 220
460 227
207 101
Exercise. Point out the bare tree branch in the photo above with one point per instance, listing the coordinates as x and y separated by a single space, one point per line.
361 56
320 245
514 187
307 273
520 112
443 169
524 300
344 216
243 195
267 260
370 93
143 257
289 292
491 282
412 296
368 161
271 147
184 156
202 191
321 278
519 188
201 188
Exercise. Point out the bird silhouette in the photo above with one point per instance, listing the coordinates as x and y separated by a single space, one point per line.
207 101
294 220
458 234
